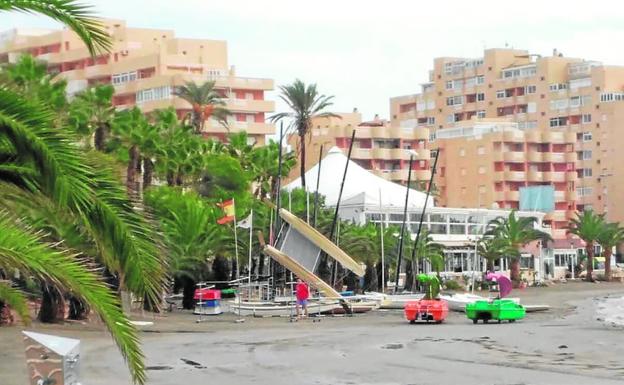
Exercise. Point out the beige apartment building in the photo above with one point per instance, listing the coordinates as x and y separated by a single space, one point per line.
144 66
555 100
378 147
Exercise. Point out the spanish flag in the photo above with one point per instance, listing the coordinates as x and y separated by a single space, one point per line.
228 211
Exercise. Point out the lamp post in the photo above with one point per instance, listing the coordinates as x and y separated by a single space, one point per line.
407 190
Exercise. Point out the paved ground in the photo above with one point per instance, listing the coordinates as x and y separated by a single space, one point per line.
565 346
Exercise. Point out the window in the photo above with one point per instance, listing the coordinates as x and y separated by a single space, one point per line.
586 172
586 118
578 101
455 100
450 118
531 107
431 120
480 97
584 191
587 136
579 83
481 150
480 79
481 114
157 93
449 84
584 155
558 122
123 77
530 89
558 87
558 104
500 94
611 96
520 72
481 170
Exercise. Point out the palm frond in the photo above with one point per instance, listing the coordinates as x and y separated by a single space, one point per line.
23 250
76 16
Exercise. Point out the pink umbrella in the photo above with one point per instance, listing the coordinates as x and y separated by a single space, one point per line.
504 283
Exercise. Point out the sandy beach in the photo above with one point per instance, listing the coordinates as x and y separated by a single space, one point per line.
574 343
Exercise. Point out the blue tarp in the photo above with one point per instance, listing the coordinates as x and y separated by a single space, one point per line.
537 198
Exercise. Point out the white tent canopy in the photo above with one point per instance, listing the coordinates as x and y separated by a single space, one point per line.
360 186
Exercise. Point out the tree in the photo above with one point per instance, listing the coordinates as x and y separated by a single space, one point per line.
37 157
427 250
609 237
92 113
265 168
588 227
517 232
305 104
205 102
492 249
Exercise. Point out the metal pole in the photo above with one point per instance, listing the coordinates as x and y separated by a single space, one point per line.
383 262
250 244
316 194
307 206
279 185
422 214
236 242
344 176
407 190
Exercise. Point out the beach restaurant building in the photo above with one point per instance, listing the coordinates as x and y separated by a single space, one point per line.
368 198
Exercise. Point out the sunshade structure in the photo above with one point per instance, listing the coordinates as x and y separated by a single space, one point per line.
299 247
360 185
504 283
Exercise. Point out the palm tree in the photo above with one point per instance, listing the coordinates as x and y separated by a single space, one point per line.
39 159
517 232
492 249
205 102
588 226
610 236
305 104
427 250
92 113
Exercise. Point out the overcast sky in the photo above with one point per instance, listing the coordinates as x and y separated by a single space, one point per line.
364 52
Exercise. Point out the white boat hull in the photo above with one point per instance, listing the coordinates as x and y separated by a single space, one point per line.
271 309
458 302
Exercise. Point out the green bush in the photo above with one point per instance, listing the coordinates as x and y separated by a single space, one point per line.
453 285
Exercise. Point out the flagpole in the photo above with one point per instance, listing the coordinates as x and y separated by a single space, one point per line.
236 242
250 243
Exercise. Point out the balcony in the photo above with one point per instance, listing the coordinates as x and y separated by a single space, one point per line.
514 156
499 196
570 214
515 176
381 153
534 136
400 154
571 157
560 196
571 176
559 233
557 216
535 156
401 175
361 153
512 196
554 157
244 83
555 176
250 105
571 196
513 136
535 176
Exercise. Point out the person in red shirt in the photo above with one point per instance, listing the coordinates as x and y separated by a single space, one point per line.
303 293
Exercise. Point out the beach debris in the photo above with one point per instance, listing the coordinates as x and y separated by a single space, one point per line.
392 346
192 363
563 346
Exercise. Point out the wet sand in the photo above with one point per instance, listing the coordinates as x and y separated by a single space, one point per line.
568 345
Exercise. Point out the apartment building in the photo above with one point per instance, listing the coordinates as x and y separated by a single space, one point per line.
378 146
551 94
489 163
144 66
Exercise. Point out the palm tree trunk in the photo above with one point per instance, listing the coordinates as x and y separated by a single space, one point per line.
490 265
302 160
50 304
179 181
607 257
170 179
515 270
148 172
589 248
260 265
133 162
409 276
78 310
101 134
